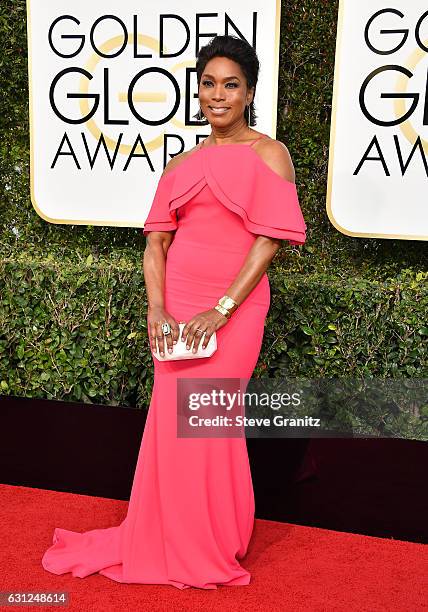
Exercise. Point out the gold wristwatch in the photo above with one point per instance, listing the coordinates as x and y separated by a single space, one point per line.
223 311
226 305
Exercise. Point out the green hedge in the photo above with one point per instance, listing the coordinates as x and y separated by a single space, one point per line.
79 333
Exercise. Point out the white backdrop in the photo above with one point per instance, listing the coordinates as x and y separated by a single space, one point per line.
379 197
70 181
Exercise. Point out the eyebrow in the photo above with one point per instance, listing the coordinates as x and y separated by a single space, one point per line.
225 79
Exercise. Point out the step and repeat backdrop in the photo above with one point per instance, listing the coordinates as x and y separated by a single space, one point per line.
113 92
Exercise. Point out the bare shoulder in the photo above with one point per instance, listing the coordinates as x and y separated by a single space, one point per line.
276 155
176 160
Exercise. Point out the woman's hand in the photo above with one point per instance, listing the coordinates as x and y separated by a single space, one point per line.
208 321
155 317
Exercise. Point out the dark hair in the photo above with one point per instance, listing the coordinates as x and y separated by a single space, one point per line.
241 52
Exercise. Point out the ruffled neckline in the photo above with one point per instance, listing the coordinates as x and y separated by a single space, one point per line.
229 144
267 203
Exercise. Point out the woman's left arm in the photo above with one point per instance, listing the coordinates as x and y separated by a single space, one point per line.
255 265
276 155
258 259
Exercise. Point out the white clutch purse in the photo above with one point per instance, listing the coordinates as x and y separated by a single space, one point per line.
180 351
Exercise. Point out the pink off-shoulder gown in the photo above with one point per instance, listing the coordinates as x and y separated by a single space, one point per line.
191 509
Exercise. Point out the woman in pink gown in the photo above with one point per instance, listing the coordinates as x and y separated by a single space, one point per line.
191 509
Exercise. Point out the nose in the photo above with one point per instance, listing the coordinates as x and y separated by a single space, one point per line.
218 93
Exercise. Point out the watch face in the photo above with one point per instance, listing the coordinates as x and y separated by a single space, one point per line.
227 302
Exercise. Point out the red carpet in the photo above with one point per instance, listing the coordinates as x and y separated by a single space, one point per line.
293 568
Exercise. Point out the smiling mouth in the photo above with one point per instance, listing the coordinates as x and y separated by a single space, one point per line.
220 110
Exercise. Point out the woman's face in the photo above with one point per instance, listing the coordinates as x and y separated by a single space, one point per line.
223 86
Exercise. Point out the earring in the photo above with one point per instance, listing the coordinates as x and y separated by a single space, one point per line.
247 114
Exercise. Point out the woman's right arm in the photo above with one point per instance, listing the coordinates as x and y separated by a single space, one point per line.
157 245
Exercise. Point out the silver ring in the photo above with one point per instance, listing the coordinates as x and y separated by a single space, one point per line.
200 330
166 328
